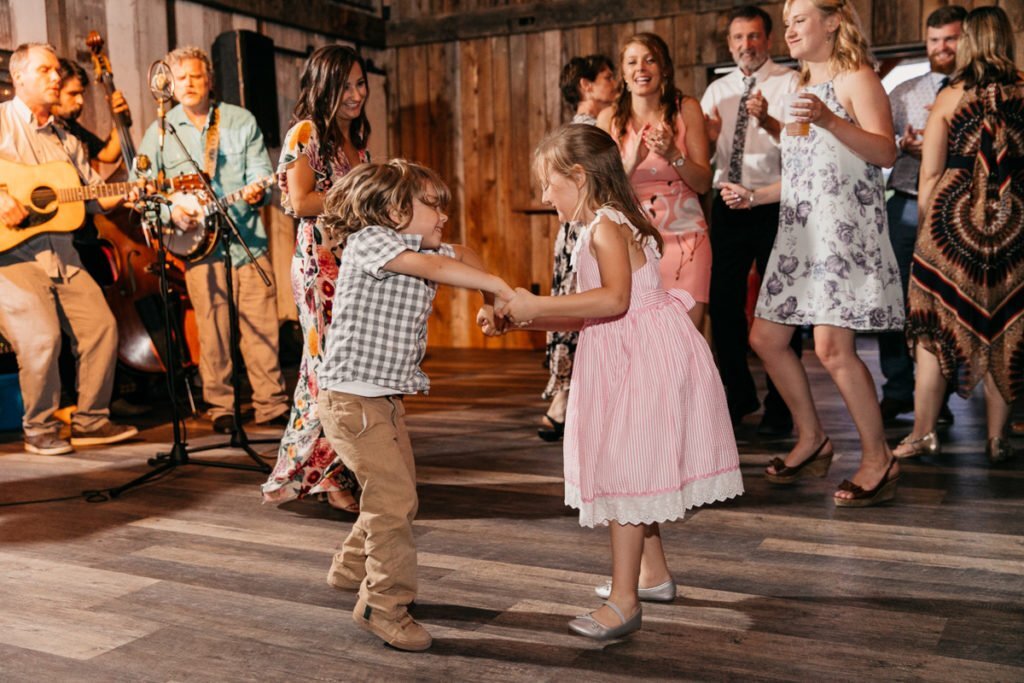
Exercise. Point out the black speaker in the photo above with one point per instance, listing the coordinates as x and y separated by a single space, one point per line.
243 67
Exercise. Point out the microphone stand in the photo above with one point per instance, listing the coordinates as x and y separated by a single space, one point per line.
179 453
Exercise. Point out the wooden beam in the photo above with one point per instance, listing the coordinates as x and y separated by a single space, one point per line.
530 18
320 16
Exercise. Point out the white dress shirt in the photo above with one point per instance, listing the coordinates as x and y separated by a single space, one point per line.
762 160
23 140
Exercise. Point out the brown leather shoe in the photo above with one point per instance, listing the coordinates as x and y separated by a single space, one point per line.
403 633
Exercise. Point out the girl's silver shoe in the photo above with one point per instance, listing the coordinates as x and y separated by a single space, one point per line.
590 627
911 448
665 592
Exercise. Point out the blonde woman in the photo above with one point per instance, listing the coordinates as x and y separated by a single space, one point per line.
832 265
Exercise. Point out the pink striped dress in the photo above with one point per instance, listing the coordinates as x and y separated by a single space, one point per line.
648 434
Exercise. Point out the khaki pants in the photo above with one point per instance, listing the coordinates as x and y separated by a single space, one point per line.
370 436
258 336
33 309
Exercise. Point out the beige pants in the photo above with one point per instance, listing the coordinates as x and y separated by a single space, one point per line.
258 330
370 436
34 308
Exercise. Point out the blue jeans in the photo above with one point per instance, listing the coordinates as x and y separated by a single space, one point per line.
897 366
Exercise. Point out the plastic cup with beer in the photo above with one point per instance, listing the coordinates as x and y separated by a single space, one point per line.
794 127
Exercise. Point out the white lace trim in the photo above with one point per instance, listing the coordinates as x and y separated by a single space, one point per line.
661 507
615 216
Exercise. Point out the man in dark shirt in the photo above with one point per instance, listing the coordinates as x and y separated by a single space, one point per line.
69 107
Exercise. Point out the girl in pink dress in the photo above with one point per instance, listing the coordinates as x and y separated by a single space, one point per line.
664 149
647 433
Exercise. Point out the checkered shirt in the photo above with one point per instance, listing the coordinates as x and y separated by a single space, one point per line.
378 333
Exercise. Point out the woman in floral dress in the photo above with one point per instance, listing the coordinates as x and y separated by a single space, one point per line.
327 139
832 265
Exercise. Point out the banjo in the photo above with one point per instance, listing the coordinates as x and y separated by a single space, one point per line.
190 195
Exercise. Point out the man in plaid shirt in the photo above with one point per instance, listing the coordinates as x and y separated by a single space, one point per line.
389 218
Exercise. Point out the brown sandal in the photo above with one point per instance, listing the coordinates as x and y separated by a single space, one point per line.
884 491
816 465
351 507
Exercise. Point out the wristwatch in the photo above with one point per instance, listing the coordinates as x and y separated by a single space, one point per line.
679 162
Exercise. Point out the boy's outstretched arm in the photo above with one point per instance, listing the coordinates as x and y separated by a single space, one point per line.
449 271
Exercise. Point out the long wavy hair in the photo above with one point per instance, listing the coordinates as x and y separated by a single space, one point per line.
320 93
671 96
375 193
605 181
850 48
985 51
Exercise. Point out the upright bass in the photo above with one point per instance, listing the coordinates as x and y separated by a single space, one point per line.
132 285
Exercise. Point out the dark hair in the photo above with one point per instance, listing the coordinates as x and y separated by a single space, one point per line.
69 69
605 181
985 51
671 96
320 90
577 69
371 193
751 12
950 14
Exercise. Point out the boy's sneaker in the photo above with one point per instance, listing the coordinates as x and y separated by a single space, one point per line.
403 633
108 433
47 444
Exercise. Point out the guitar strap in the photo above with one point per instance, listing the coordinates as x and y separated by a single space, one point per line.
212 143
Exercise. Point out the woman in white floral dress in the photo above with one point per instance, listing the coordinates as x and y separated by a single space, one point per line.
832 265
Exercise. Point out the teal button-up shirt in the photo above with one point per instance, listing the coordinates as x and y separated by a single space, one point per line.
241 159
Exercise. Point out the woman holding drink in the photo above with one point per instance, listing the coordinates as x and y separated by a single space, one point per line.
832 265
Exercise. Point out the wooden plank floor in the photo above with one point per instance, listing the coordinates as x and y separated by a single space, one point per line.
192 579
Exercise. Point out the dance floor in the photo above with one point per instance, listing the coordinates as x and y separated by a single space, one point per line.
191 578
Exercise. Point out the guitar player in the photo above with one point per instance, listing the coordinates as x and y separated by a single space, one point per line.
226 142
43 287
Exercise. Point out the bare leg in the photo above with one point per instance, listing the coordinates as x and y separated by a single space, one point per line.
627 549
835 347
997 410
770 341
929 392
653 566
697 316
559 403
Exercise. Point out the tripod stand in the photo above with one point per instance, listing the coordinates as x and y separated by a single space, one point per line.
180 453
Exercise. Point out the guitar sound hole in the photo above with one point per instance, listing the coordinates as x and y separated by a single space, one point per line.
43 196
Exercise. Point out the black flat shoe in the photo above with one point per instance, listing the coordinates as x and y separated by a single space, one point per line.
554 433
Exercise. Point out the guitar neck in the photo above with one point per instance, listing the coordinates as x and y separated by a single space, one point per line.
86 192
240 192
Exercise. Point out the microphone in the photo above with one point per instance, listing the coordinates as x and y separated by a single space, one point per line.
161 87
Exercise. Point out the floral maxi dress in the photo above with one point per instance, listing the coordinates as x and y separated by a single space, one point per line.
306 462
832 262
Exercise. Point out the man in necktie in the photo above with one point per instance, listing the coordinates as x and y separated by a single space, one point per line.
743 109
911 102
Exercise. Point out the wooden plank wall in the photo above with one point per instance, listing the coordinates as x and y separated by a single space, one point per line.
474 109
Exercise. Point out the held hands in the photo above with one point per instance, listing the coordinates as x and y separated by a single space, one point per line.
510 310
659 140
736 196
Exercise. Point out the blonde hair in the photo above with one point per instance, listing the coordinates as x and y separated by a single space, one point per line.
985 51
605 181
850 49
374 193
181 54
